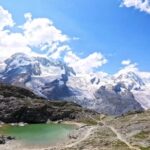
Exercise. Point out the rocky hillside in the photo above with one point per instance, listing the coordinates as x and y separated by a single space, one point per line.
7 91
21 105
130 132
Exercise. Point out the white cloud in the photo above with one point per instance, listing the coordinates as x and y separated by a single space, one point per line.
5 18
11 43
87 64
28 16
59 51
126 62
41 31
38 32
142 5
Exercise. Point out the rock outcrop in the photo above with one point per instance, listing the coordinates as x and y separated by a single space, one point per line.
20 105
115 101
4 139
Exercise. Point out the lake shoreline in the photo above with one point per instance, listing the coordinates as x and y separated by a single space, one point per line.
80 132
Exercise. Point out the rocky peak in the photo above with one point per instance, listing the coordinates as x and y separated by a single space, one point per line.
129 80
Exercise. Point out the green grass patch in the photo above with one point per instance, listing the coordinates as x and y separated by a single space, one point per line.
145 148
89 122
118 143
142 135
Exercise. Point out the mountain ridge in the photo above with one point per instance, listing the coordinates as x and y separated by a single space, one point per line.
53 79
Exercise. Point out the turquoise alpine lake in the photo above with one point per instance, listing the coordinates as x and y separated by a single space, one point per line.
38 134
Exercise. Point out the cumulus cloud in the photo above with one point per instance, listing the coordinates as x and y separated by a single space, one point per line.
142 5
59 51
5 18
11 43
87 64
41 33
126 62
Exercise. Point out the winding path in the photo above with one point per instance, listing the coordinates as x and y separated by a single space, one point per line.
103 123
82 139
119 136
122 139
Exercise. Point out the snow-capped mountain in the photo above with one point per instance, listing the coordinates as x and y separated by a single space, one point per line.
37 73
130 80
52 79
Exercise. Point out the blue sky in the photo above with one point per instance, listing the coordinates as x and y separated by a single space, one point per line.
119 33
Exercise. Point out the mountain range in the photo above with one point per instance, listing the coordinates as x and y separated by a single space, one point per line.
126 91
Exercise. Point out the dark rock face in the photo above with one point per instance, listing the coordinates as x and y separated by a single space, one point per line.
29 108
38 111
14 91
58 91
112 100
4 139
22 110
